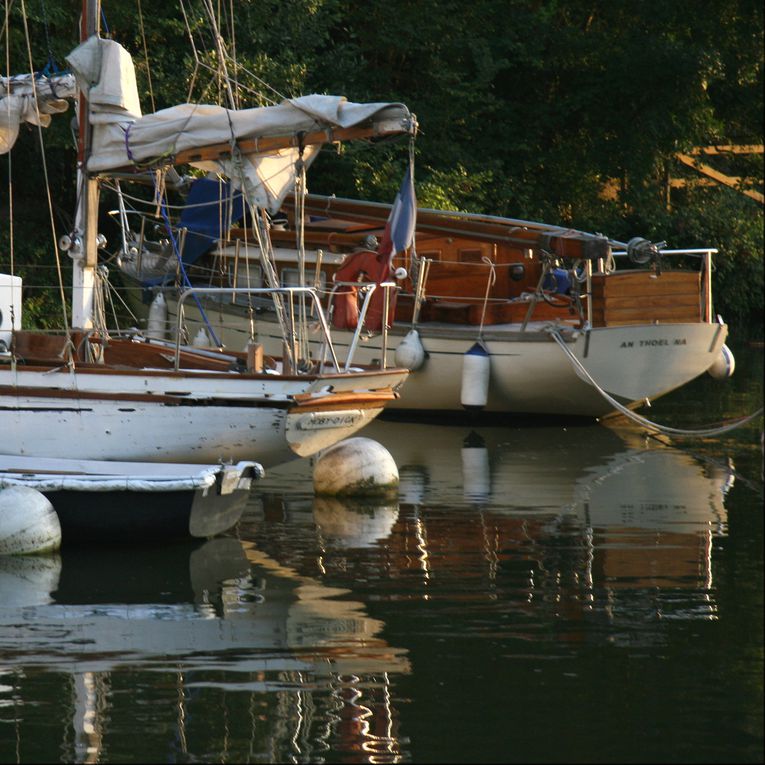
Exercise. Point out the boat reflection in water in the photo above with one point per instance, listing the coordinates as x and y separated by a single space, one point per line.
592 510
177 630
555 521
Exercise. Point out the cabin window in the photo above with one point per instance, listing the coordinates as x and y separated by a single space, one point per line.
254 280
248 275
290 277
430 254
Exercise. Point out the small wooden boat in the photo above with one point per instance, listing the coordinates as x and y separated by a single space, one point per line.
129 501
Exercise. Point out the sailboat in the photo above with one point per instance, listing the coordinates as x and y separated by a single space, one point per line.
489 313
93 394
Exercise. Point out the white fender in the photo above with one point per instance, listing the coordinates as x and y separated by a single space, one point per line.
724 365
157 323
28 523
201 339
476 368
410 354
476 473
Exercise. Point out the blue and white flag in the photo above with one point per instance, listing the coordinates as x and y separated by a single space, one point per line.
399 230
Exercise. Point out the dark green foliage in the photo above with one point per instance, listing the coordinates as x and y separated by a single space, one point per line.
527 108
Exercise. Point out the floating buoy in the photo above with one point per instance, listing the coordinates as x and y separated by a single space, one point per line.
724 365
157 323
29 580
201 339
355 467
476 474
28 523
410 354
345 523
476 367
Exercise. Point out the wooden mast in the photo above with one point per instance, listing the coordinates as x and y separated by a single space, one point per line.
84 253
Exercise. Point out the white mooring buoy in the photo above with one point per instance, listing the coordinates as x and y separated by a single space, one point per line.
476 369
355 467
724 365
349 522
410 354
28 522
29 580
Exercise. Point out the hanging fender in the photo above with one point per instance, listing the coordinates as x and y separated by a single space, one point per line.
361 266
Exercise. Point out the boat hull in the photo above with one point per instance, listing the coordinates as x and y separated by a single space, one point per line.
529 372
122 516
166 418
98 500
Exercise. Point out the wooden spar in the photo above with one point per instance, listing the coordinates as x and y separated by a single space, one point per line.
535 236
271 144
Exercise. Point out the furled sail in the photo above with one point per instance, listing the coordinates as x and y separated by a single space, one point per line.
256 148
31 98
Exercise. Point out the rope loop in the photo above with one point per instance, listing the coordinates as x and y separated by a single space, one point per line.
639 419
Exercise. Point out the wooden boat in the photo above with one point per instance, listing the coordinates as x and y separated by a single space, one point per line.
94 393
490 313
130 501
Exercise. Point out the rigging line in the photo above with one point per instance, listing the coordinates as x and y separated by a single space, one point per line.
232 25
113 292
490 282
265 84
240 86
222 55
756 488
199 63
51 58
186 279
6 22
193 48
47 181
146 56
554 332
300 192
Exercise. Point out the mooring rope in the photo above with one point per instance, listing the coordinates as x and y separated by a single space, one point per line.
639 419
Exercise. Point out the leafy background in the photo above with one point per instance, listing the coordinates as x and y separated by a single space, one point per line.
568 111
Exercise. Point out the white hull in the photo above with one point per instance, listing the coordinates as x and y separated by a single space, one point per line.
530 373
166 417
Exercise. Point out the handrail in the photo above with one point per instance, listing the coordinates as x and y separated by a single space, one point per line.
291 291
368 289
692 251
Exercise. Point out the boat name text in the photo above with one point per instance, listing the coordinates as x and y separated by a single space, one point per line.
652 343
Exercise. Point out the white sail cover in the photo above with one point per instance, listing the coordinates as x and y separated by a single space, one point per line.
121 137
31 98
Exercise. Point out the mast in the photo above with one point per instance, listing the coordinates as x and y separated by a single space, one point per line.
84 253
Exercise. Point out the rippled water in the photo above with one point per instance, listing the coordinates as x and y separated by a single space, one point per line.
560 593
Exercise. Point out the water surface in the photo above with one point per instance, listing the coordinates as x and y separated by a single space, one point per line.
536 594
